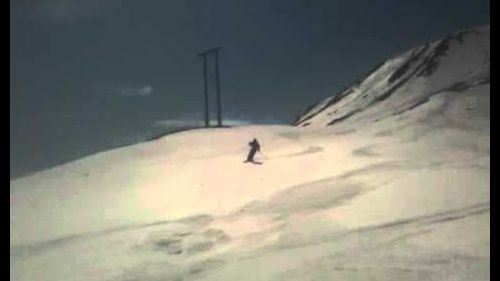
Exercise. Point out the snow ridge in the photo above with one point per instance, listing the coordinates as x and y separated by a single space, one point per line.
455 63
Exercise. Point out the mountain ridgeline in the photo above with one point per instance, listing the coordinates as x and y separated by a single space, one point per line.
457 63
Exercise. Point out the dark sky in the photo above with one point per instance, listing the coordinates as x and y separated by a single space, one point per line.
87 75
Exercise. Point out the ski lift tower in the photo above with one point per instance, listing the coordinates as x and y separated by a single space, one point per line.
204 55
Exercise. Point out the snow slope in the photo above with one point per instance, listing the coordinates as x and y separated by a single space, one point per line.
455 63
398 190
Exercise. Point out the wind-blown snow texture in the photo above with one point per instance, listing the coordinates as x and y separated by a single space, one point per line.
387 181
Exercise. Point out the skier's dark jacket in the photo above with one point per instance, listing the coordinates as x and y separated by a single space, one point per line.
254 144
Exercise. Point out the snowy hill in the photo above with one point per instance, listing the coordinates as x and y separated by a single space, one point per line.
457 63
395 188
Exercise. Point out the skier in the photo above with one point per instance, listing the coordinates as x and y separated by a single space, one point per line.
255 146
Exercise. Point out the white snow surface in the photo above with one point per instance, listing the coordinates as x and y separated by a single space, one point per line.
399 190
